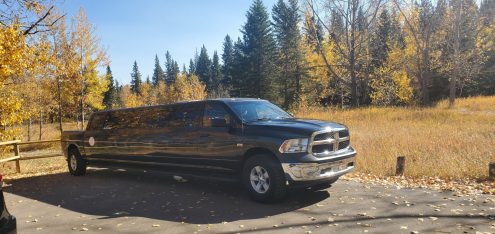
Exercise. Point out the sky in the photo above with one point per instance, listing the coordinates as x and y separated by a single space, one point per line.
137 30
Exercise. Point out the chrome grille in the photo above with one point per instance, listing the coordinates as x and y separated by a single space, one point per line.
326 142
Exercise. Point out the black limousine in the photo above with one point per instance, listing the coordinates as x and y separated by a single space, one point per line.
268 148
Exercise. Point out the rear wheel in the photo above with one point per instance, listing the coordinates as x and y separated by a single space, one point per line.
264 179
77 165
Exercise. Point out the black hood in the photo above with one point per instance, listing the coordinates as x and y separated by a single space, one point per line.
297 126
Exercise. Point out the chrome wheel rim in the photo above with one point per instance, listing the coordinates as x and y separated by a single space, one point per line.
73 162
260 180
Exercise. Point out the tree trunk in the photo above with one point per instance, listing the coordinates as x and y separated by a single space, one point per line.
455 74
59 90
41 124
29 129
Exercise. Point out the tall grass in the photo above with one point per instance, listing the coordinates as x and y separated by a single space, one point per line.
448 143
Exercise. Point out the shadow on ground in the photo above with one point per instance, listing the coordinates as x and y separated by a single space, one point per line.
111 193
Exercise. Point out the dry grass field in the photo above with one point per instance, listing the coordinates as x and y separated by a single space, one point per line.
439 142
453 143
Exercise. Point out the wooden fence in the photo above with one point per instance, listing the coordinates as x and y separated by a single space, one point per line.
18 156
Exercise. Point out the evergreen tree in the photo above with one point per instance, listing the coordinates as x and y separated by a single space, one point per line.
228 59
216 72
286 19
110 96
192 67
379 41
203 68
148 81
158 73
184 70
118 91
169 68
175 71
260 53
239 81
135 79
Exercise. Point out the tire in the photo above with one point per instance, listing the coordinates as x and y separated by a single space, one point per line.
76 163
268 184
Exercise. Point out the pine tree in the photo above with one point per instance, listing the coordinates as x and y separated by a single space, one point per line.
379 41
109 97
260 52
192 67
216 72
286 19
171 68
203 68
227 58
239 81
135 79
184 70
175 71
158 73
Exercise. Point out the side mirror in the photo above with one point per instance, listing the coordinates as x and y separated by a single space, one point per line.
219 123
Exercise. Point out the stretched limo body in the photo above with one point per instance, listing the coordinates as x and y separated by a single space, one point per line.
267 147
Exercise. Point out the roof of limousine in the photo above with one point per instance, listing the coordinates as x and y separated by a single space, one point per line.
182 102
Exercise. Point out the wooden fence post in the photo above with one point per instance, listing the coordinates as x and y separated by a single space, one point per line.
491 171
17 161
401 164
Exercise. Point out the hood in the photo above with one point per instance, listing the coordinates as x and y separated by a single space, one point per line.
298 126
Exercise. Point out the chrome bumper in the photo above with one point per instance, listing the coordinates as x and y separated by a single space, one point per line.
318 171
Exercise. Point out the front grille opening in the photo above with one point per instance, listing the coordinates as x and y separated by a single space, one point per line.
323 136
351 164
344 133
344 144
318 149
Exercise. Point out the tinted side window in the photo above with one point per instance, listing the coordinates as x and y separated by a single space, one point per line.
215 111
166 117
191 114
97 121
115 120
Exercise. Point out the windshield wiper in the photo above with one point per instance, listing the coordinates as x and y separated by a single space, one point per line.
264 118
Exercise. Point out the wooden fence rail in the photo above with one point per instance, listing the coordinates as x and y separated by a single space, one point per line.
17 154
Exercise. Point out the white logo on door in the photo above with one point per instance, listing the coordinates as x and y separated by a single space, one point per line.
91 141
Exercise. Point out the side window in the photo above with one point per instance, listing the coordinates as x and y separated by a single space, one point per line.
167 116
97 121
115 120
191 114
215 111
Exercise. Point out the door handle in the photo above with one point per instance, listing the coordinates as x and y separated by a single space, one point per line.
204 135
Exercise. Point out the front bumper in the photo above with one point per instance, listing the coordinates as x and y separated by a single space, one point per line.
320 171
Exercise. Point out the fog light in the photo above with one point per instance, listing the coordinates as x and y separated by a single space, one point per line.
311 171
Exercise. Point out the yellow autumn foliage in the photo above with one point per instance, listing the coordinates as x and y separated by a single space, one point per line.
391 83
14 63
185 88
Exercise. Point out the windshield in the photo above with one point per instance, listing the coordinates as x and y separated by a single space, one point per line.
256 110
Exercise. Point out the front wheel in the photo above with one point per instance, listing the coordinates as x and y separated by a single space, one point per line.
76 163
264 179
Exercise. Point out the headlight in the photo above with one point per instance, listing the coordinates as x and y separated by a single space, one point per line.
294 146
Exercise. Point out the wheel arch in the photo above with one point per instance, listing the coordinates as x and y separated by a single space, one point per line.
256 151
72 147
